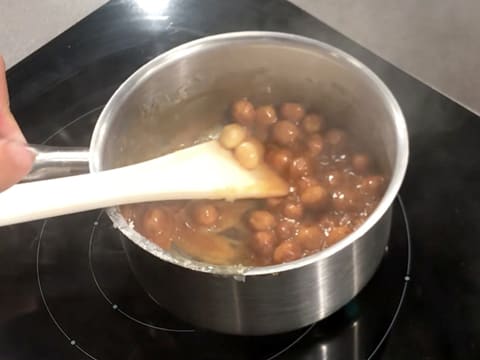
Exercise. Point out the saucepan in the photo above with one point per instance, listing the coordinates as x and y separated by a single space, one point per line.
185 93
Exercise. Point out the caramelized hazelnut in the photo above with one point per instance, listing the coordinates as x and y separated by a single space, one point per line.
158 225
305 182
204 214
344 199
373 185
261 220
334 178
263 243
232 135
315 144
285 229
285 133
249 153
287 251
243 112
336 234
314 197
299 167
266 115
273 202
279 159
335 137
313 123
293 112
360 163
310 237
293 210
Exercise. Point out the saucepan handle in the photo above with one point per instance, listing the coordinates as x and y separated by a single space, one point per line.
54 161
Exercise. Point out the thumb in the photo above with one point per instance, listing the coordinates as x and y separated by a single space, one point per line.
15 162
8 126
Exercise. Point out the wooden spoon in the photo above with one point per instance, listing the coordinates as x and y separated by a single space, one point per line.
204 171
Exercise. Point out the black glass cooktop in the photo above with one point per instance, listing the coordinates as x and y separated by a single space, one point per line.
67 292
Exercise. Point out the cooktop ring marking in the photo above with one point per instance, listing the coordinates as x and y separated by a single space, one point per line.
114 305
72 122
406 279
288 347
44 300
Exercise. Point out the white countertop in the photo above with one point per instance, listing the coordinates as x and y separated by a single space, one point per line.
436 42
26 25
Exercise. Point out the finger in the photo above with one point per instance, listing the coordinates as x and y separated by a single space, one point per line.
15 162
8 126
4 102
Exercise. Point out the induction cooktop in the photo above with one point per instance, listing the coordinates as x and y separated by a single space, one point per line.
67 291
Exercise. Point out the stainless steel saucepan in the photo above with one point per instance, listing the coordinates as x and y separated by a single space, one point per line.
184 94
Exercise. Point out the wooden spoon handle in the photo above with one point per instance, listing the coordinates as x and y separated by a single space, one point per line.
48 198
136 183
205 171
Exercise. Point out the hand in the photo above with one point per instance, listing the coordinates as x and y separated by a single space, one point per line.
15 158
